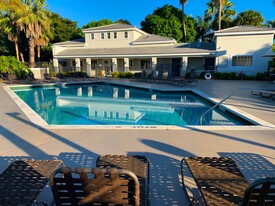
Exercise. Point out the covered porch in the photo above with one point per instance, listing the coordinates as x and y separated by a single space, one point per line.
175 66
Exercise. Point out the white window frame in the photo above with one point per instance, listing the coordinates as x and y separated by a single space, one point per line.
239 63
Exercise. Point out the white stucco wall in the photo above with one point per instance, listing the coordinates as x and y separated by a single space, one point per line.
255 45
120 41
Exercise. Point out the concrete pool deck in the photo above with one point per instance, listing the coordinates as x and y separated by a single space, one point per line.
253 150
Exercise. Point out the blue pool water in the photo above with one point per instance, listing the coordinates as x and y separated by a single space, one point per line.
106 104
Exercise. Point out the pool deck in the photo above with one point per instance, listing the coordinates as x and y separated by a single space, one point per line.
252 149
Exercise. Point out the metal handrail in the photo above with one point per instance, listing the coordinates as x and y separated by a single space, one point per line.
217 104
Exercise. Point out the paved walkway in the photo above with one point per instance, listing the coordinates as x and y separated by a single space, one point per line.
254 150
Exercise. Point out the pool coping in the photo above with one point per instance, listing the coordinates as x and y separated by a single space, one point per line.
38 121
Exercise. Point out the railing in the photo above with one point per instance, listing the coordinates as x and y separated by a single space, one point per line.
219 103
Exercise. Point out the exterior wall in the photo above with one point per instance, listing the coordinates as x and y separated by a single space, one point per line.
255 45
120 41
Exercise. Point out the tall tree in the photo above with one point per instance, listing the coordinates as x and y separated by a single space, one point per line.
102 22
221 3
270 24
64 29
167 21
8 22
123 21
219 16
249 18
183 2
33 23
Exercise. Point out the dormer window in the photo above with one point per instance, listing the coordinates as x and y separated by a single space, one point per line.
92 36
125 34
102 35
109 35
115 35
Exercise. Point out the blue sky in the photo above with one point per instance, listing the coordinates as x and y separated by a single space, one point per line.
85 11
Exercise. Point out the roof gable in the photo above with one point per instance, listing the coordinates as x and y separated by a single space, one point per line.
244 30
110 27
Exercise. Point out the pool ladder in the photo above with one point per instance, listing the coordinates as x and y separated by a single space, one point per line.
220 102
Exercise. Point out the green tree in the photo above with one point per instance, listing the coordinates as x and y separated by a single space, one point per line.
219 14
33 23
201 27
122 21
183 2
8 22
270 24
102 22
63 29
249 18
167 21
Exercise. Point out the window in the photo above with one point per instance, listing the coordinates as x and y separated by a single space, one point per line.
242 61
125 34
92 36
115 35
109 35
102 35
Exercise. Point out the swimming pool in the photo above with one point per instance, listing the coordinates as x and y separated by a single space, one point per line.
110 104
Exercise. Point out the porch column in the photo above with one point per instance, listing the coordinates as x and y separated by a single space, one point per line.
77 64
126 64
55 65
154 66
88 66
183 69
114 64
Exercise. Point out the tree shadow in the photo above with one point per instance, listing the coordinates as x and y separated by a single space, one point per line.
165 173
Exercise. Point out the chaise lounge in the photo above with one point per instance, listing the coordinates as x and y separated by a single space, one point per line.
220 182
117 180
23 180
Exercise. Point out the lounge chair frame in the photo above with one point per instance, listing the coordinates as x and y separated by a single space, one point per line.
220 182
95 186
138 164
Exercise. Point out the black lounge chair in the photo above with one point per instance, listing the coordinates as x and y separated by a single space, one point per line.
220 182
22 181
139 165
95 186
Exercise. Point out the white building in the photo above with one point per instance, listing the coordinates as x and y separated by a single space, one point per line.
120 47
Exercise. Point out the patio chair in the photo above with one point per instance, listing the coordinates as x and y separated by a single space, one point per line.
95 186
22 181
220 182
139 165
264 93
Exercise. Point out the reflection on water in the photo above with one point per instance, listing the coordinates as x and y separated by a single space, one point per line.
99 104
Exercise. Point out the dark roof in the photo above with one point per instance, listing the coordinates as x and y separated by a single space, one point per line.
140 51
245 29
110 27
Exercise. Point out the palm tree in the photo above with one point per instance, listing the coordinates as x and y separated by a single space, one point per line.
11 28
183 2
221 3
33 23
220 15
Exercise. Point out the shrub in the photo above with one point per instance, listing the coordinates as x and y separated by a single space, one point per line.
122 74
13 66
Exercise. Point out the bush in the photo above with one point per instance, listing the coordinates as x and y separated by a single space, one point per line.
13 66
122 74
237 76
